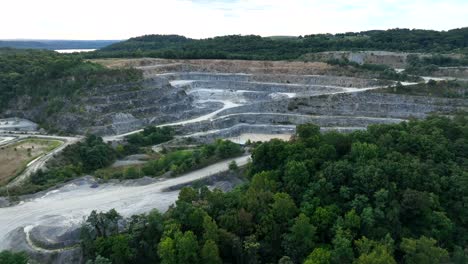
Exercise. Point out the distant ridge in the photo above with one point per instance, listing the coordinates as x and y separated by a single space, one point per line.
254 47
56 44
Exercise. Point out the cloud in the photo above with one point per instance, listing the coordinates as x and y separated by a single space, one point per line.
120 19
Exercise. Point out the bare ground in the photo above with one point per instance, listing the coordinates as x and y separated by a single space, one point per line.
15 157
229 66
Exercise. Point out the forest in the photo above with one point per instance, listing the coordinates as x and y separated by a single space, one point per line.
391 194
253 47
46 75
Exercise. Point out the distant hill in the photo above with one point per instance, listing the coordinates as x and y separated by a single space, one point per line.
282 37
279 48
56 44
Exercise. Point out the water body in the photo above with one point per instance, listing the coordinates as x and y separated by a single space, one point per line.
74 50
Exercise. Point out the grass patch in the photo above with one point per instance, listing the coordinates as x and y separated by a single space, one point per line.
15 157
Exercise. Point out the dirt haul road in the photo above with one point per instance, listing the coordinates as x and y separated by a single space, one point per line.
69 205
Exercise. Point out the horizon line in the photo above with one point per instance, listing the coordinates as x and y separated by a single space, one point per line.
279 35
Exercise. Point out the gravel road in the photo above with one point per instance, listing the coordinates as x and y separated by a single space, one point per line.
69 204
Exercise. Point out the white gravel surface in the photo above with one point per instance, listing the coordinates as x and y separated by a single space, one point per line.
226 105
70 204
5 140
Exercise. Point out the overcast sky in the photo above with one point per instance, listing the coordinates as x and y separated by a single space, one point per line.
121 19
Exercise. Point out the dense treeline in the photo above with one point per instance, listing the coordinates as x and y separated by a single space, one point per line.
258 48
45 75
77 159
181 161
174 162
391 194
139 142
151 136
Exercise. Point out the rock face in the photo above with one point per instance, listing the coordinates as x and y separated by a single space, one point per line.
270 107
373 104
325 80
20 243
53 238
117 109
204 95
392 59
114 109
122 109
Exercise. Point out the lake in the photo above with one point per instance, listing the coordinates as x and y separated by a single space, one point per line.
74 50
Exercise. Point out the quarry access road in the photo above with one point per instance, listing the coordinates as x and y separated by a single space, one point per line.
5 140
67 206
226 105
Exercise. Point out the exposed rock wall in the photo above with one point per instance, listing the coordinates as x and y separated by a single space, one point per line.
267 87
325 80
20 243
114 109
235 124
456 72
392 59
374 104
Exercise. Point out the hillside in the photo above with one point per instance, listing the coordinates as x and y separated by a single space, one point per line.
268 48
47 81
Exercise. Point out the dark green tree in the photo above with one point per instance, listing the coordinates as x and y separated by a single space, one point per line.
8 257
301 238
210 253
319 256
422 250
